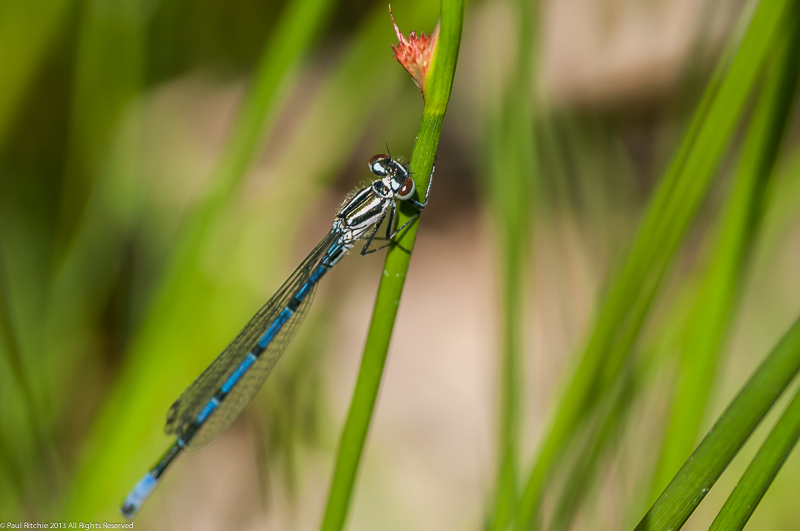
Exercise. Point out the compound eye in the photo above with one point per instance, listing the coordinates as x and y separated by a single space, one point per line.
377 164
407 190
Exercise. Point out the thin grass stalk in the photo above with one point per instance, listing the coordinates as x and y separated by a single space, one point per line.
102 162
437 92
731 431
673 208
606 430
512 170
707 325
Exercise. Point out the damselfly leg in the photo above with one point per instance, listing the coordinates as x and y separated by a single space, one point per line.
390 219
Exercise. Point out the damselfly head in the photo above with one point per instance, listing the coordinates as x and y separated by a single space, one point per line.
394 173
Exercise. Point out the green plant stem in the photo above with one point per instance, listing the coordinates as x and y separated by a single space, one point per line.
728 435
670 214
762 471
437 93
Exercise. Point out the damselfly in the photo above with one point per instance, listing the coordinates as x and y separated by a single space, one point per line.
222 391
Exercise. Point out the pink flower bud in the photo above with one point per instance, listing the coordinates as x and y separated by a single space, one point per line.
415 53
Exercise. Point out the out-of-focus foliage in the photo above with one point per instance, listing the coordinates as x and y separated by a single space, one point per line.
165 163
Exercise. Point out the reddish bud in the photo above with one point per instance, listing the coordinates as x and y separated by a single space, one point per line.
415 53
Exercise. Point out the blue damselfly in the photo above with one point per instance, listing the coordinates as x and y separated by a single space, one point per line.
214 400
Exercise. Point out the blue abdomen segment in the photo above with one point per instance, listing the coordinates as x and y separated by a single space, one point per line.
138 495
209 409
287 312
275 327
134 501
255 353
237 374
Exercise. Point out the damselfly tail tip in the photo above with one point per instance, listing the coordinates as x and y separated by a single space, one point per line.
138 495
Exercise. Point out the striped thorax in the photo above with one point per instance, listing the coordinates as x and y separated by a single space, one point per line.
369 206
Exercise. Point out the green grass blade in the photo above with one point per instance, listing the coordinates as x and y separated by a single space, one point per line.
716 301
107 79
295 31
171 326
762 471
100 192
111 49
606 431
13 377
437 89
728 435
671 212
511 174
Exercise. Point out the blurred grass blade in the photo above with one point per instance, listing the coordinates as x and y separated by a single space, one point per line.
708 322
100 194
762 471
728 435
109 55
13 377
294 33
437 92
672 210
174 308
605 431
27 28
511 176
109 74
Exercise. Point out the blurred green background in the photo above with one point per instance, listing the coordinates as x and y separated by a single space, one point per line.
164 164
